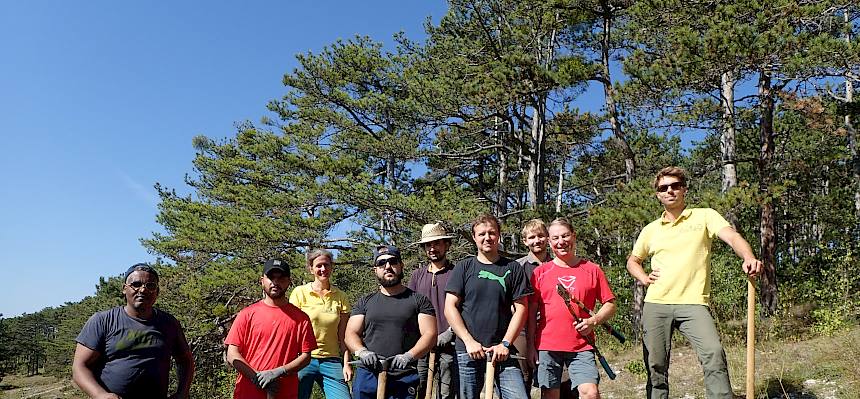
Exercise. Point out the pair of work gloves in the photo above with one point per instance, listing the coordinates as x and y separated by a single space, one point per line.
372 361
268 379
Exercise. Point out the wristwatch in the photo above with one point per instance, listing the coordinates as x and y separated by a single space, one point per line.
505 343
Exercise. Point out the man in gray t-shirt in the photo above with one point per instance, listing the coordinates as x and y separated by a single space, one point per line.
125 352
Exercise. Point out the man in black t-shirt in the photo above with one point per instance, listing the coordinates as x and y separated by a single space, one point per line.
125 352
394 325
486 305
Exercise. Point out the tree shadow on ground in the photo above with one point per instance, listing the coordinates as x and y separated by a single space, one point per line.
786 389
8 387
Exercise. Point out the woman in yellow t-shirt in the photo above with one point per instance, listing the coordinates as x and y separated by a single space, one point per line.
328 308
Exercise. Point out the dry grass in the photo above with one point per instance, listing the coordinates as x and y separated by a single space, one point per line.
818 368
38 387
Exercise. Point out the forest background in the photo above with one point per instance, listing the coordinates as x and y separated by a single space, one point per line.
479 117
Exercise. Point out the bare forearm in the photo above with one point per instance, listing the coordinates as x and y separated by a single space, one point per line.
353 342
86 381
239 363
742 248
634 267
427 328
518 320
607 310
424 344
531 326
455 320
341 337
185 374
298 363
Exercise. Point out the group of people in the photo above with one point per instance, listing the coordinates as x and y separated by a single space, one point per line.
485 310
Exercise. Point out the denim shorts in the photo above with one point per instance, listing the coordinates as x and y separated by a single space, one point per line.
581 367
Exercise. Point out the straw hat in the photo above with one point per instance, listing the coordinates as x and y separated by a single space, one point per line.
432 232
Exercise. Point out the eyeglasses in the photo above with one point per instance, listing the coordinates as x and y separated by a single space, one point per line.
137 285
389 261
665 187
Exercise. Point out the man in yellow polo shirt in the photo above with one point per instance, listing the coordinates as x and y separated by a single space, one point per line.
679 284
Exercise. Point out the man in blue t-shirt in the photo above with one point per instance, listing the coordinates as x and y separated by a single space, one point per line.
125 352
486 305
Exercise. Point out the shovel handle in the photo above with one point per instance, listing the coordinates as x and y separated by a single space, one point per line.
489 378
431 366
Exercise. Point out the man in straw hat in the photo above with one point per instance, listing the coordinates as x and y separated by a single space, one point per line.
430 281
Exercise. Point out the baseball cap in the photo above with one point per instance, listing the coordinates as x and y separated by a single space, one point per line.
386 252
142 267
275 264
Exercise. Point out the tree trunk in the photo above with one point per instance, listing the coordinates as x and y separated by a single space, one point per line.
537 157
388 217
606 15
727 139
502 191
609 94
768 283
560 185
852 132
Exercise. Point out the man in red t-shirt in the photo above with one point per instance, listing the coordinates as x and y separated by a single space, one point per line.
559 341
270 341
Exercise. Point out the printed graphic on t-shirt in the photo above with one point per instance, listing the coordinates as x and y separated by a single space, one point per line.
137 340
490 276
567 282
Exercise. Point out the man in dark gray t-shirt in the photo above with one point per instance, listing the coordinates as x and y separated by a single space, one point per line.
390 326
125 352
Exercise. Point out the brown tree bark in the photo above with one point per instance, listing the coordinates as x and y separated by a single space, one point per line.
607 15
852 132
768 283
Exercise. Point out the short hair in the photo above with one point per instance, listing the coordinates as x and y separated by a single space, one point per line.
317 253
486 218
534 225
562 222
673 171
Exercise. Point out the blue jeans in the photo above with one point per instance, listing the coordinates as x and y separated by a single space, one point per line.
328 373
403 386
508 380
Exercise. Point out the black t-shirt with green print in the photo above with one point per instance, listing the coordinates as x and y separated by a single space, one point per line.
487 292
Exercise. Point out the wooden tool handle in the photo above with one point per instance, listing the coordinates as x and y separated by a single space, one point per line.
489 378
382 379
431 366
751 337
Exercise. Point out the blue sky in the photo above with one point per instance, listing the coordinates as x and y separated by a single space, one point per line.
99 100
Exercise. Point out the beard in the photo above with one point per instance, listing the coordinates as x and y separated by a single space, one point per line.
275 295
387 283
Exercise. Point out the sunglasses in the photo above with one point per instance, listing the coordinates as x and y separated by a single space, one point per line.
389 261
137 285
665 187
